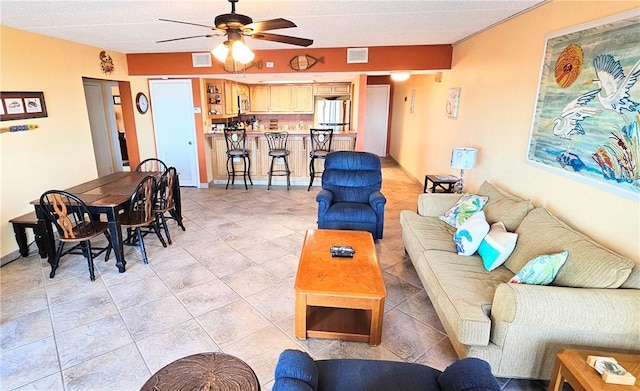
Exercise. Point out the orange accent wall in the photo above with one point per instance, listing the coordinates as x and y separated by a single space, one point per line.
202 159
387 58
129 123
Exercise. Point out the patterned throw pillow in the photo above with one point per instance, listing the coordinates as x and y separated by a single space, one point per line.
541 270
497 246
467 206
470 234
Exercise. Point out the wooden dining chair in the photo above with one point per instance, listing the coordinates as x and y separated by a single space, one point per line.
151 165
75 225
166 201
140 215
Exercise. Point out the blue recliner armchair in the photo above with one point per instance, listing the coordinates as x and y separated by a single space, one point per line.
297 371
350 197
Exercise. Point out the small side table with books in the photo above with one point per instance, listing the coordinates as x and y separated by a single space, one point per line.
443 182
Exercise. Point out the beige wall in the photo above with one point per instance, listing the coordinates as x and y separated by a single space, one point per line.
58 154
498 71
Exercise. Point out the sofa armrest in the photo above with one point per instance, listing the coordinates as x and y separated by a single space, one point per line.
606 311
468 374
377 200
324 199
435 204
295 371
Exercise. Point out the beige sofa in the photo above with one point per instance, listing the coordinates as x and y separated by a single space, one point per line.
594 302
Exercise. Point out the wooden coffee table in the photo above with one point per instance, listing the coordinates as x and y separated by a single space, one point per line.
571 366
339 298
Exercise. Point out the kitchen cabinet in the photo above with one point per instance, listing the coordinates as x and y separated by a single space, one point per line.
232 91
214 99
332 89
282 99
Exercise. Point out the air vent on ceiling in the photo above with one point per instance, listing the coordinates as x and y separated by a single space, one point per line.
357 55
201 60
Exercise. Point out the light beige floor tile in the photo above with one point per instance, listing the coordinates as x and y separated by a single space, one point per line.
85 309
406 337
91 340
439 356
420 307
275 303
250 280
121 369
149 318
20 275
59 291
21 303
22 330
261 351
232 322
398 290
226 263
176 342
186 277
207 297
283 267
138 292
19 366
49 383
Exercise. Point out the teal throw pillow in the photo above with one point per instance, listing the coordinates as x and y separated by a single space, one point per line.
497 246
470 234
467 206
541 270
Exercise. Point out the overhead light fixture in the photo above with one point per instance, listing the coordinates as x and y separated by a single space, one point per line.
239 51
400 76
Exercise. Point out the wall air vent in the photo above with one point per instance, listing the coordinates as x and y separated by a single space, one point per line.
357 55
201 60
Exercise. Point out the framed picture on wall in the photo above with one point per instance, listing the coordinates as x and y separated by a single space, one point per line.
585 123
22 105
453 98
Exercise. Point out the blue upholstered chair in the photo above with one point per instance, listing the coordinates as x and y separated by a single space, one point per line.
297 371
350 197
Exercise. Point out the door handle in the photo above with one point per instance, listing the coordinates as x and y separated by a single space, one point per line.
190 143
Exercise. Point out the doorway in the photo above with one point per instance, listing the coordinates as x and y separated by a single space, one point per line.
104 130
175 128
377 121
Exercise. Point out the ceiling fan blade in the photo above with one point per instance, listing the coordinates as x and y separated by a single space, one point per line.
283 38
193 24
189 37
272 24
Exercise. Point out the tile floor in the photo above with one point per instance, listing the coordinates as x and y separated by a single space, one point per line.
226 284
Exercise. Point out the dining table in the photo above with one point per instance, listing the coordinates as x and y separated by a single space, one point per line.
107 195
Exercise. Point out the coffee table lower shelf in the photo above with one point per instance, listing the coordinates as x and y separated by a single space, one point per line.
339 323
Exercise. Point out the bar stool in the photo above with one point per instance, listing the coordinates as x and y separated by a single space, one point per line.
320 147
278 150
236 140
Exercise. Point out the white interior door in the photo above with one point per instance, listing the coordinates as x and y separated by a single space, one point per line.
104 134
175 128
377 121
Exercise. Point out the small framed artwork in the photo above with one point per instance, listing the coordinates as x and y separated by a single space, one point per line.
453 98
116 100
413 101
21 105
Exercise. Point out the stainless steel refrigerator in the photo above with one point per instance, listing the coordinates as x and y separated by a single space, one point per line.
332 113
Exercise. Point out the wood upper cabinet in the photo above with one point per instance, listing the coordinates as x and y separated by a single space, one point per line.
231 92
282 99
332 89
260 98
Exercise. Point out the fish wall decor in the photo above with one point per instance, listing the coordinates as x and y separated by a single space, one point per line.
232 66
302 62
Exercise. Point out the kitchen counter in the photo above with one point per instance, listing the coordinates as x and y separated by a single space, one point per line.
297 144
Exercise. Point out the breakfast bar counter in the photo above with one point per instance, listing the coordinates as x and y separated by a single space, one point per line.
298 145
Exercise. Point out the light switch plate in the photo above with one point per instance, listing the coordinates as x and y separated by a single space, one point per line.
269 64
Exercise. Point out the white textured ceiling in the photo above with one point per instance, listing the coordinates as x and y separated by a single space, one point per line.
133 26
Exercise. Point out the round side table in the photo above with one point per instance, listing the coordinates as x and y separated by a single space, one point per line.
204 371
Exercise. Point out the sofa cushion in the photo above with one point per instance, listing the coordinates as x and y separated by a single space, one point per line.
541 270
296 370
589 264
463 291
633 282
470 234
421 233
504 207
467 206
497 246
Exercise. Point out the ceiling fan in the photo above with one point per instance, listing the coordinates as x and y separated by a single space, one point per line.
236 26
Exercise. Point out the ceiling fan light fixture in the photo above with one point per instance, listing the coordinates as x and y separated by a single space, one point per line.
400 76
221 51
241 52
